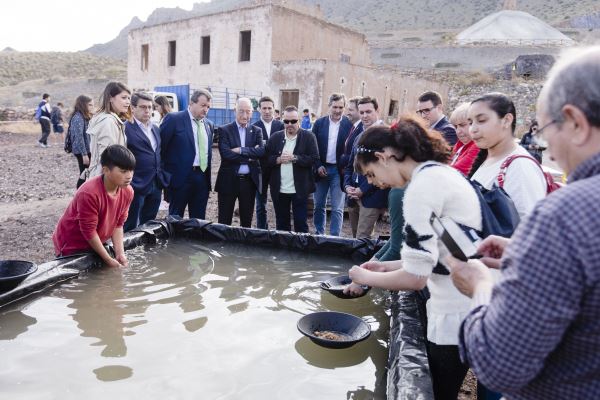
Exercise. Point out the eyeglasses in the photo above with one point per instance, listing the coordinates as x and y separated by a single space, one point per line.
425 111
538 138
144 107
290 121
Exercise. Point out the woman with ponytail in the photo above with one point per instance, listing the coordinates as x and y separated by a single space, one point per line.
492 120
411 156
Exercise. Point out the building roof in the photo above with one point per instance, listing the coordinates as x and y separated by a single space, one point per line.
512 27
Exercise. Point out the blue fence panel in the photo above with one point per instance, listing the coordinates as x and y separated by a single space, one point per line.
222 116
182 92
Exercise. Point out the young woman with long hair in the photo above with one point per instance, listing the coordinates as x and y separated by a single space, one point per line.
77 131
492 120
411 156
107 126
162 106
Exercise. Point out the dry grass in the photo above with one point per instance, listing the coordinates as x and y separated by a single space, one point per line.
26 127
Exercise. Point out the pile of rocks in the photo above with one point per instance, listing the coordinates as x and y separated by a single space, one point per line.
16 114
524 94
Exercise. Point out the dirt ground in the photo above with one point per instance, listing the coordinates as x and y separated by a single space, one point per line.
36 185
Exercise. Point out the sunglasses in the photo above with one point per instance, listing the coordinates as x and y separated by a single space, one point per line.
290 121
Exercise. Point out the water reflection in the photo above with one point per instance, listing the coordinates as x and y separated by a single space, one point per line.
13 323
110 303
221 323
111 373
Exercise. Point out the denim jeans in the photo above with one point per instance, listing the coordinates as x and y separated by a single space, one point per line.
329 184
143 208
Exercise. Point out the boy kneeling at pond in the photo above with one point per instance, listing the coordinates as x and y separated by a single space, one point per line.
99 210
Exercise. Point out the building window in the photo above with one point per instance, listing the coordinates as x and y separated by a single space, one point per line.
205 50
145 57
172 53
245 39
393 110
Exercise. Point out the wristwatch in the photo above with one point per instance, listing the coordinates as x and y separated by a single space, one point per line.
294 159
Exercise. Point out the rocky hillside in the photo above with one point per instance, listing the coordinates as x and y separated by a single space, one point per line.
24 76
376 17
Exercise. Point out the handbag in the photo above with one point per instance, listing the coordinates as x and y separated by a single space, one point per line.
499 215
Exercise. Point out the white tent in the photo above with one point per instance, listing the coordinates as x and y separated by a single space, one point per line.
512 27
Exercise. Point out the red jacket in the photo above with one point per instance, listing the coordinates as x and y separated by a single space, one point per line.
92 210
463 156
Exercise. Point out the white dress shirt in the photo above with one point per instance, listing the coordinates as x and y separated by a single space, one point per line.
244 169
334 129
267 127
147 129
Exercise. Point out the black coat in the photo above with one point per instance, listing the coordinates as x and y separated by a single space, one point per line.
307 155
253 150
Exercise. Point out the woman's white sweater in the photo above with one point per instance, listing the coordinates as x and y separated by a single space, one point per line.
439 189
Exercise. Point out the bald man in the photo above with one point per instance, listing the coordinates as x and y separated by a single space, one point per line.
239 178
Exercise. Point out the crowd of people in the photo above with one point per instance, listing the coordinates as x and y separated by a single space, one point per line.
523 317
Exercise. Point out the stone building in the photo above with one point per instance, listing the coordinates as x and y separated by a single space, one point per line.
270 48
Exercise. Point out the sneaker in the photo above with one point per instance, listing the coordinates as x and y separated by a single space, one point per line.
42 145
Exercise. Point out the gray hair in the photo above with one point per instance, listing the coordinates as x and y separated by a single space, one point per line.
137 96
200 92
575 80
243 99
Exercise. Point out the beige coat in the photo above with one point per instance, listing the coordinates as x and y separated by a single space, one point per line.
104 129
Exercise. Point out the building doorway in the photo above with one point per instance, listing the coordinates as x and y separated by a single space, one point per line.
289 98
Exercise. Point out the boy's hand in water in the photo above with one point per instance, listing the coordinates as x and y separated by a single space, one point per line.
122 259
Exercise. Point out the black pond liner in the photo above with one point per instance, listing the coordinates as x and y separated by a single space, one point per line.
408 370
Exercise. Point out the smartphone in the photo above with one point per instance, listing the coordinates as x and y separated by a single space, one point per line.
461 243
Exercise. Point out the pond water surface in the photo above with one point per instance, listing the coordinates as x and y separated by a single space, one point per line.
187 322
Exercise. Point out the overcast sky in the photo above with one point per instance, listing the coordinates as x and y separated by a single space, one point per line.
71 25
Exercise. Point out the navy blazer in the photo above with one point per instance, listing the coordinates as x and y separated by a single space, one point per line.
178 149
276 126
147 160
307 156
321 131
447 130
372 197
252 152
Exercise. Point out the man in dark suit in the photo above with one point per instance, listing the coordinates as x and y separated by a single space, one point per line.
357 128
241 147
331 132
369 202
431 109
143 139
186 153
292 155
268 126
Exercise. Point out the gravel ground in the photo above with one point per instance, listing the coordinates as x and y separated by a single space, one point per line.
36 186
